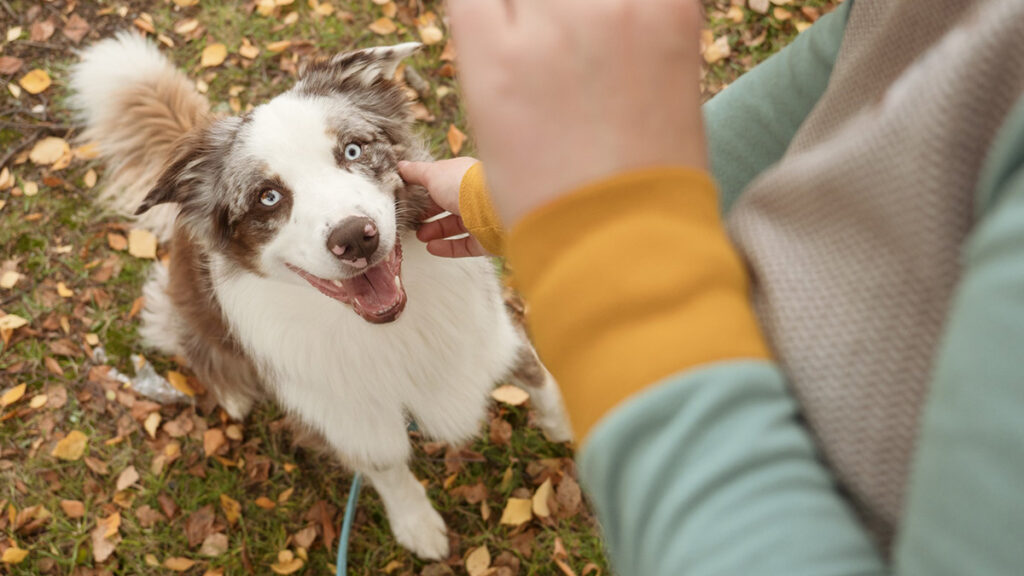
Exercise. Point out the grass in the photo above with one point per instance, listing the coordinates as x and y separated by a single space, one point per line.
59 237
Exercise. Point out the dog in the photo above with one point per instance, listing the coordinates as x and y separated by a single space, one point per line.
295 274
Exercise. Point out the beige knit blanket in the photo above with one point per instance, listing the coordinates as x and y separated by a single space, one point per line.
854 238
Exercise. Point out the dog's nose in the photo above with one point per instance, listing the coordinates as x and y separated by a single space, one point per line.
354 240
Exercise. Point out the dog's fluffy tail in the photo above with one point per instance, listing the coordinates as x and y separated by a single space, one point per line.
135 106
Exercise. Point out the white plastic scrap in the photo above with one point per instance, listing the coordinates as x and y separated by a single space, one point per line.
146 381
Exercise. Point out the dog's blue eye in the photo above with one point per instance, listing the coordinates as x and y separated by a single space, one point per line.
269 197
353 151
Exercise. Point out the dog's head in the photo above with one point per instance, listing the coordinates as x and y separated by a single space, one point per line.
305 188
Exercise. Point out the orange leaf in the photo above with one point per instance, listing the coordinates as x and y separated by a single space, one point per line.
456 138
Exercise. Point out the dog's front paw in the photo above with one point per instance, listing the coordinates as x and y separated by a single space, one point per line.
423 532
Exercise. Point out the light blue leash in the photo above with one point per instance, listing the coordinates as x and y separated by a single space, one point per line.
346 524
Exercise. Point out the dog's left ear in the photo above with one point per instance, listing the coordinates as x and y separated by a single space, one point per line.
362 67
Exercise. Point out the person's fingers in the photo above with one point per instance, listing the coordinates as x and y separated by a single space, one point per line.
414 172
432 209
443 228
461 248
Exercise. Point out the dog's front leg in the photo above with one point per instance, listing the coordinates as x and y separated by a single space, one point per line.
414 522
531 375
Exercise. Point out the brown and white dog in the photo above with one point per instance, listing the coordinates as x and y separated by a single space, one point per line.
295 273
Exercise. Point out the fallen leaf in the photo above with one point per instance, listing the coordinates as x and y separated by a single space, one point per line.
591 568
142 243
569 497
540 500
247 50
199 525
759 6
718 50
148 517
782 14
213 440
152 424
63 291
478 561
214 545
186 3
431 34
48 150
14 555
279 46
117 242
13 33
41 30
90 178
392 566
286 563
517 512
10 64
285 495
500 432
35 81
265 503
456 138
511 395
565 568
71 447
8 279
31 188
72 508
12 395
232 509
53 366
96 465
305 537
213 55
38 401
178 564
76 28
105 537
127 477
185 26
383 26
180 383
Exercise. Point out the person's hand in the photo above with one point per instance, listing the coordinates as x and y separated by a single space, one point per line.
565 93
442 180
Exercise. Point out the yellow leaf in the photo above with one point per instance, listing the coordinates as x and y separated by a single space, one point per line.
247 50
111 524
185 26
6 179
717 50
232 509
455 139
14 555
517 512
431 35
8 279
38 401
180 383
13 395
265 503
152 424
478 561
383 26
392 566
213 55
48 150
63 291
31 188
186 3
286 563
279 46
540 500
142 243
71 447
90 178
510 395
12 322
35 81
179 564
284 496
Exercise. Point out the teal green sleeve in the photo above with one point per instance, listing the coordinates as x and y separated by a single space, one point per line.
965 513
750 124
710 473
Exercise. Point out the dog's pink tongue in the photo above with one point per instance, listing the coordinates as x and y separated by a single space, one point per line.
377 294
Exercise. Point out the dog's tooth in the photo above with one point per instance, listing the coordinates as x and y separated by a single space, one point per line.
398 282
337 283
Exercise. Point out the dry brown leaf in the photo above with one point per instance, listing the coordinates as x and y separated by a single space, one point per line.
6 179
127 477
117 242
71 447
179 564
52 366
735 14
247 50
511 395
540 500
72 508
591 568
568 496
213 55
759 6
42 30
565 568
782 14
717 50
478 561
14 555
517 512
142 243
8 279
383 26
265 503
105 537
12 395
500 432
279 46
35 81
76 28
285 495
10 64
38 401
186 3
185 26
232 509
213 440
456 138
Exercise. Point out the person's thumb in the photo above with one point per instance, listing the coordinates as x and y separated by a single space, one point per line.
414 172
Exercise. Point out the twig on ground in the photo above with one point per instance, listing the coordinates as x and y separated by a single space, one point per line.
19 147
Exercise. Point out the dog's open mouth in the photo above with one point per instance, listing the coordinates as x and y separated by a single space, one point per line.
377 294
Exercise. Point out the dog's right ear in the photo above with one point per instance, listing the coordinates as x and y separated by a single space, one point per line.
177 178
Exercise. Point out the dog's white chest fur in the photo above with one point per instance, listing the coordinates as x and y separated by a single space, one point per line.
358 382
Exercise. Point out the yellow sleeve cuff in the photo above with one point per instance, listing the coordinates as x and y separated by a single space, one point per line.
478 214
631 280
